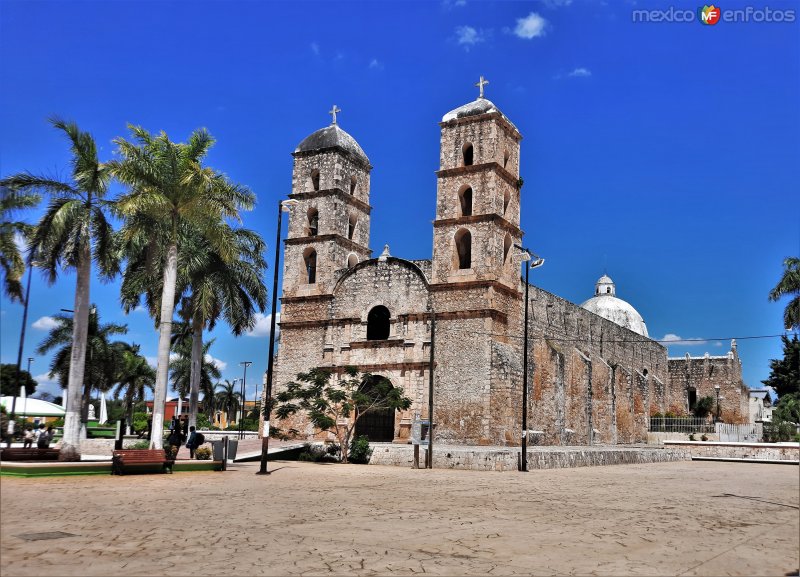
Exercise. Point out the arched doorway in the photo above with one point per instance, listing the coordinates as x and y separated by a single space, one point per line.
376 424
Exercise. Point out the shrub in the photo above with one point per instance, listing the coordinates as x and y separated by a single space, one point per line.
203 454
704 406
139 421
319 454
138 445
691 437
704 437
360 451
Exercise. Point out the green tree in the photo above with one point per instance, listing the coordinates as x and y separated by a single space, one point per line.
102 355
704 407
789 285
227 398
337 407
73 231
171 192
11 231
181 369
134 377
784 374
8 381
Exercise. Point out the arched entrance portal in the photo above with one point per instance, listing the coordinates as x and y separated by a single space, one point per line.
376 424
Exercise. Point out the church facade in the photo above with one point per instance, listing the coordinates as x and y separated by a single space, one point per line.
592 377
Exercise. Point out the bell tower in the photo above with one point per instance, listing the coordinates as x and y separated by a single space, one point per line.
329 227
478 196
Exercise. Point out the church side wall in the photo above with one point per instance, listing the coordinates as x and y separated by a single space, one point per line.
703 373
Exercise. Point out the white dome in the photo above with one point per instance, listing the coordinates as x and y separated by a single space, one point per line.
608 306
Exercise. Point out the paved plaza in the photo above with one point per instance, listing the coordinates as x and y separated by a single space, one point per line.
683 518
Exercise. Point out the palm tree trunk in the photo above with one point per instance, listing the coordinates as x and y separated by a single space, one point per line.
71 443
197 357
165 333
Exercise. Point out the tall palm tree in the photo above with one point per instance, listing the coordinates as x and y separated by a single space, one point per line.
73 231
11 262
102 356
789 285
170 190
232 290
181 369
134 377
228 399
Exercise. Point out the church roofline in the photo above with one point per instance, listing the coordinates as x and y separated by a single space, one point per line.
476 218
496 114
372 261
336 148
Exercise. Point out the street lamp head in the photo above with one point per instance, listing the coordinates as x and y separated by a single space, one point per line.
288 203
716 387
538 261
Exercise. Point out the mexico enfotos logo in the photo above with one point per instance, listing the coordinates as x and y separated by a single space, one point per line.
710 15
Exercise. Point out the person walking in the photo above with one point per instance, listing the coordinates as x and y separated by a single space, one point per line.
40 436
27 440
175 440
193 442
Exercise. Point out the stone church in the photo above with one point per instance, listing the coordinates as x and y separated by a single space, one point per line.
594 375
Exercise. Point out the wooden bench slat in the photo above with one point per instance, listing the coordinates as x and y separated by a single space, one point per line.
125 457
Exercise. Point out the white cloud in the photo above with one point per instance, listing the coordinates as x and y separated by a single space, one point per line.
532 26
468 36
153 362
47 385
450 4
374 64
261 328
216 362
580 73
45 324
19 242
315 48
673 339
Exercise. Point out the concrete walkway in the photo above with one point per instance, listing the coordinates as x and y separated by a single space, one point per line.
679 518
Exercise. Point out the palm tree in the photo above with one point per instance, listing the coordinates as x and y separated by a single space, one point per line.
102 356
233 290
209 402
134 377
228 399
181 369
170 191
11 261
73 231
789 285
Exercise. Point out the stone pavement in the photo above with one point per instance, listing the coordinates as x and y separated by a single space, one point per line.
687 518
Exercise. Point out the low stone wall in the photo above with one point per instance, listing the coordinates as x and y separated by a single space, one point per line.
507 459
789 452
659 438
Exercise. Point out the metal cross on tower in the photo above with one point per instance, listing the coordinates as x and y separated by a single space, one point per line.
333 112
481 83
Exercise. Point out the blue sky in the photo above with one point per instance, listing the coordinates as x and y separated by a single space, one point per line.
665 153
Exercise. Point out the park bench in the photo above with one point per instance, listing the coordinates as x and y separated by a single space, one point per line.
18 454
138 459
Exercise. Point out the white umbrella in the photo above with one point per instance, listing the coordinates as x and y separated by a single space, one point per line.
180 405
103 410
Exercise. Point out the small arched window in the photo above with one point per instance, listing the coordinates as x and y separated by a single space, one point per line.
378 323
465 200
506 156
313 221
608 290
463 241
352 260
315 179
507 242
506 201
351 226
353 183
310 259
467 154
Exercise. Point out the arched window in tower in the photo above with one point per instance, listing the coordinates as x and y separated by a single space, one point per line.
467 154
315 179
506 156
463 240
352 260
353 183
608 290
378 323
465 200
351 226
310 259
506 201
313 221
507 242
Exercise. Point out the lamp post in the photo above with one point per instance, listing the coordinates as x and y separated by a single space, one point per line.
536 261
266 406
716 419
244 389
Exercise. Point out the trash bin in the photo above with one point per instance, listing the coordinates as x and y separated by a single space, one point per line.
232 446
216 449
